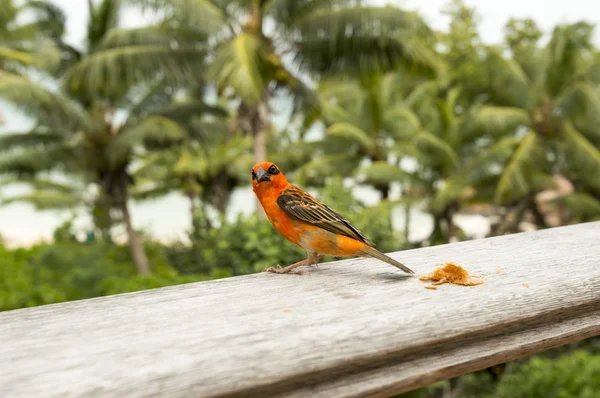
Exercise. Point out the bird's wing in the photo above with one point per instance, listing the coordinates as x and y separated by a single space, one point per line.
302 206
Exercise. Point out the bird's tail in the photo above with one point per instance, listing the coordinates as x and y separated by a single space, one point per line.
371 252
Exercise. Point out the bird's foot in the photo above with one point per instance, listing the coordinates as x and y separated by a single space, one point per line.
280 270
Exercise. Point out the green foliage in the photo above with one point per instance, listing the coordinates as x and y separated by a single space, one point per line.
573 375
68 270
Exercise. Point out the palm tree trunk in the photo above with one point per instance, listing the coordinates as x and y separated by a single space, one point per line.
189 182
437 235
384 189
449 218
407 222
260 146
135 243
193 210
540 220
220 195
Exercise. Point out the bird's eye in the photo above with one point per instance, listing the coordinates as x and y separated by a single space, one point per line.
273 170
253 175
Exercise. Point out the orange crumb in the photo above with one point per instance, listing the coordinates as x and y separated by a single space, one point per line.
373 277
450 273
526 285
287 310
498 269
431 287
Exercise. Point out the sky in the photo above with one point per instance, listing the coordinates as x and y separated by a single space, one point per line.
168 219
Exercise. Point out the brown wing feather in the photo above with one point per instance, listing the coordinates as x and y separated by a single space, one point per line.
302 206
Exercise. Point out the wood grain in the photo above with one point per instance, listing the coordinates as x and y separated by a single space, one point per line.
351 328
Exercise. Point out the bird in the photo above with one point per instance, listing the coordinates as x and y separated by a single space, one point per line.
309 223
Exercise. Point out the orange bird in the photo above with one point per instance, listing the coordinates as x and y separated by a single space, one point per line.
309 223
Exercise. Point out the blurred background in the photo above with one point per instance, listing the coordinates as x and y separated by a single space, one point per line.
128 129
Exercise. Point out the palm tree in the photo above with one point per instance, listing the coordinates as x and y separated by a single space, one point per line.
69 139
364 121
78 131
205 166
256 48
546 107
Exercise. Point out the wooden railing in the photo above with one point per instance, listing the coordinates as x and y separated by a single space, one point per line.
350 328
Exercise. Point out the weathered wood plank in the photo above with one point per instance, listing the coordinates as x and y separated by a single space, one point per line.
350 328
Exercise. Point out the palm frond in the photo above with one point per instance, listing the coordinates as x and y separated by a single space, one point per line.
46 183
402 122
490 161
154 191
435 149
186 110
515 181
592 72
319 168
450 190
382 172
47 200
509 84
108 73
242 64
333 113
480 172
353 133
565 52
29 139
582 155
50 20
153 131
190 162
103 17
52 109
581 103
31 161
12 55
145 99
153 35
362 41
496 121
423 91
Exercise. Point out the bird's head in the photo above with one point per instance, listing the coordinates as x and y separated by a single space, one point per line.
267 176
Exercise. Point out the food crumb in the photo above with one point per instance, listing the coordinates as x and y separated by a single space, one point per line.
373 277
526 285
431 287
287 310
499 270
450 273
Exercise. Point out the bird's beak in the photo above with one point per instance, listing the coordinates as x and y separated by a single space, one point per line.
262 175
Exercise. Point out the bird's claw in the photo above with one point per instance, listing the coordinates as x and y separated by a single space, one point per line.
278 269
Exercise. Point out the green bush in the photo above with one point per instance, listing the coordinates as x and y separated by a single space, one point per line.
572 374
68 270
575 375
